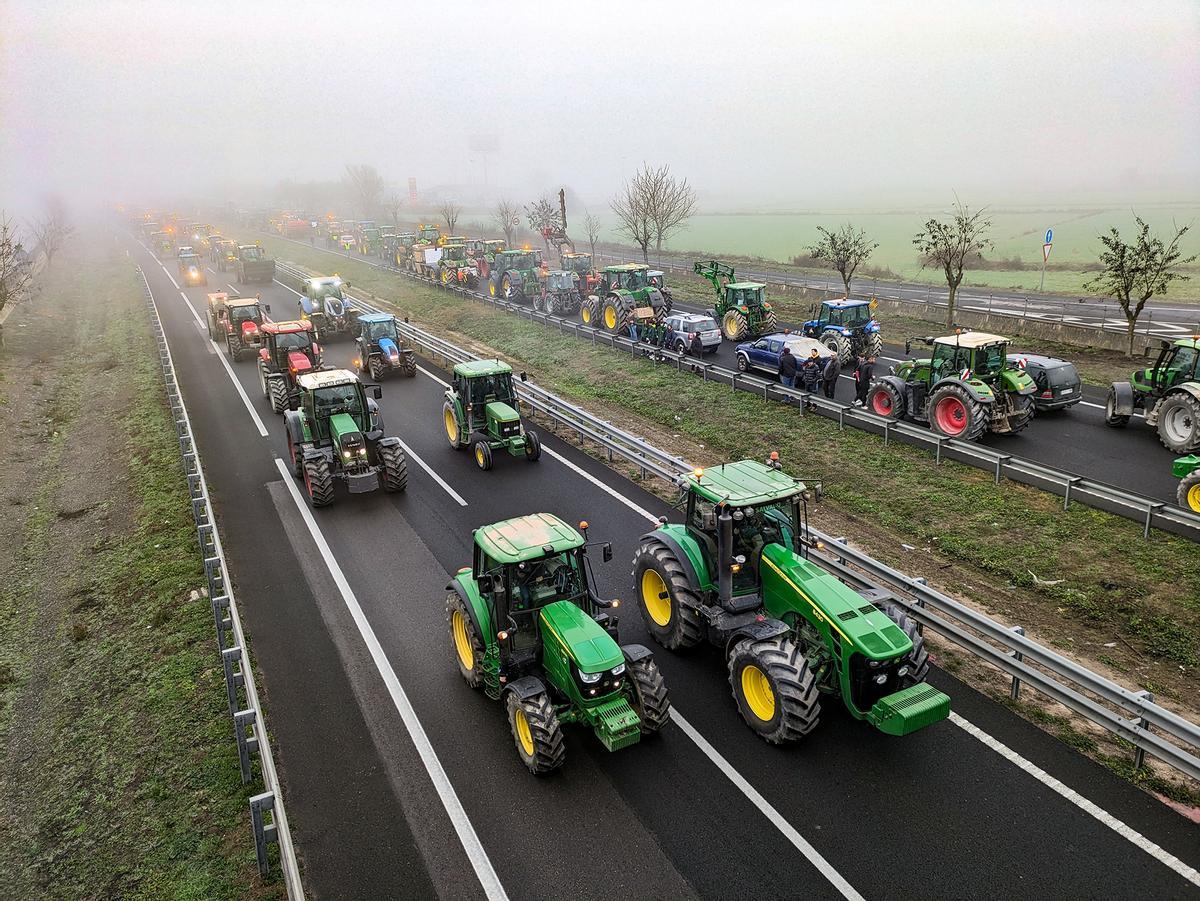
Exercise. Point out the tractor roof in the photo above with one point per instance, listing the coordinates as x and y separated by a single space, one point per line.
527 538
574 254
326 378
322 280
744 484
745 285
627 267
241 302
476 368
846 304
375 317
493 241
287 328
970 339
1193 341
217 297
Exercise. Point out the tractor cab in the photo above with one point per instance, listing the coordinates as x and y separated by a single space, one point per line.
492 247
656 278
580 263
325 304
336 408
515 259
428 234
378 326
289 347
626 277
250 253
968 355
560 281
1176 364
744 295
844 315
453 254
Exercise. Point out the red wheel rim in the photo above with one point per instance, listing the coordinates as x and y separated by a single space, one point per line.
951 415
881 403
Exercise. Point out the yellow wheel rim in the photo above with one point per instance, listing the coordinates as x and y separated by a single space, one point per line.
524 736
462 640
1193 497
653 589
451 425
759 695
479 455
492 288
586 315
610 318
445 276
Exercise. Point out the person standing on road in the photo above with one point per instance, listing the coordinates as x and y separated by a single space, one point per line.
810 372
633 330
787 368
866 371
830 374
696 349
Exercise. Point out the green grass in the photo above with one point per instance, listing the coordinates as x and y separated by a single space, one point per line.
132 786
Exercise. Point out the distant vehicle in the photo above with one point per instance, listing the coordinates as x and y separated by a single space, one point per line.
1058 383
764 353
253 265
685 325
191 268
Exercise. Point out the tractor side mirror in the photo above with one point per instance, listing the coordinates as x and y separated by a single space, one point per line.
606 551
377 392
267 307
485 584
524 376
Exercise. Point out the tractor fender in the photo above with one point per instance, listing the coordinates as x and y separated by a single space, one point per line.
476 609
1122 393
1192 388
966 386
681 554
635 652
526 687
294 426
390 441
756 631
896 382
318 453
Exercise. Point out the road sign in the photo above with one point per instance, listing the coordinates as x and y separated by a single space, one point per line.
1049 235
1046 251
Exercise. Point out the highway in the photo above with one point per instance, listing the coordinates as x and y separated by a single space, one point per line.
402 782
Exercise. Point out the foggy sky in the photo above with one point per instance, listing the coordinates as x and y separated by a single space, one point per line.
784 105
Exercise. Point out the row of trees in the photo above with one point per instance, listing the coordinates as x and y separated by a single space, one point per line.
47 234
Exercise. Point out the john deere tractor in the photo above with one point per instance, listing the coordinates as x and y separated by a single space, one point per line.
559 294
847 327
456 268
514 275
402 249
623 294
1187 470
380 349
964 389
741 307
324 304
288 351
527 626
1169 394
481 412
737 574
337 434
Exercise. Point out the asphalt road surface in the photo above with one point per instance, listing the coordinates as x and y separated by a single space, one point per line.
402 782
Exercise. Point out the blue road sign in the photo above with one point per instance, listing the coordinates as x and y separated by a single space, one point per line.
1049 235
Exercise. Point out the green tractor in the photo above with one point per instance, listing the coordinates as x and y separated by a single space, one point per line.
965 388
1169 394
337 433
737 574
741 307
623 294
483 252
401 248
456 268
1187 470
513 275
529 629
481 411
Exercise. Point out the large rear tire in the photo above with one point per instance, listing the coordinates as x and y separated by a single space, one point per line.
1179 423
451 426
318 481
1112 419
774 689
917 659
669 604
837 343
769 323
874 345
536 732
465 640
278 394
395 468
733 325
1188 493
647 691
953 412
884 400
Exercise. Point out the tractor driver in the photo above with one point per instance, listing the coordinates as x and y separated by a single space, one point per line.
543 579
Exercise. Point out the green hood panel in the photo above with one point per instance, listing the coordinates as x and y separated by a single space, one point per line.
581 637
341 426
498 411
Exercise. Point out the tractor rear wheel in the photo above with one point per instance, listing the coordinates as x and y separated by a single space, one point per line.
837 343
884 400
733 325
1188 493
279 395
1112 418
395 468
953 412
774 688
410 365
533 447
506 288
550 307
450 423
483 455
669 604
613 315
874 345
466 641
1179 423
917 659
318 481
648 694
770 323
587 311
536 731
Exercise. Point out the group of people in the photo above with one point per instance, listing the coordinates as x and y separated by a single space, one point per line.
661 335
814 373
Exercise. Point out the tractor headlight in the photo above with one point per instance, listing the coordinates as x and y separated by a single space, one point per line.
618 669
902 672
362 451
346 454
590 678
881 679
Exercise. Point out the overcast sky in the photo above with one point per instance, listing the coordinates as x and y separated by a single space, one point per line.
798 105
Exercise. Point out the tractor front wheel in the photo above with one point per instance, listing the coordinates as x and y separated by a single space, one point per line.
279 395
375 369
1112 418
917 659
733 325
837 343
536 731
467 643
493 288
953 412
1188 493
483 455
318 481
774 689
669 603
884 400
1179 423
533 447
450 423
410 365
1022 412
874 345
647 690
395 468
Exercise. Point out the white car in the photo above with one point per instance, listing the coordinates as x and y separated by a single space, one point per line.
685 325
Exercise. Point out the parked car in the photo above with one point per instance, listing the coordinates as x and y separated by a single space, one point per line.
1058 384
685 325
763 353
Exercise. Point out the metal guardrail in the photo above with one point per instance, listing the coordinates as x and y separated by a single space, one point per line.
1131 715
1151 513
268 818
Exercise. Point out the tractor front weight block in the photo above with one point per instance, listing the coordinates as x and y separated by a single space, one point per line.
909 710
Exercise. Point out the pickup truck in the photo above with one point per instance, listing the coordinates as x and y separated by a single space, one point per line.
253 265
763 353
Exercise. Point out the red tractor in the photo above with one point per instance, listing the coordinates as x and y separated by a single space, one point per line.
237 322
288 351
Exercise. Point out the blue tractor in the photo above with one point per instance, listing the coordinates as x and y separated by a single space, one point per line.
380 350
847 327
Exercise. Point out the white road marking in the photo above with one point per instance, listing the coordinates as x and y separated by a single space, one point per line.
282 285
599 484
1134 837
480 862
424 371
437 478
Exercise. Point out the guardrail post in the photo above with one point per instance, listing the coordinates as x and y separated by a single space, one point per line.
243 722
1151 509
264 833
222 619
1000 461
1139 754
1067 494
1014 690
234 678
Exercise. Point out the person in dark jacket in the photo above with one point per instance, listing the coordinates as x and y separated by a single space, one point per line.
829 375
810 371
866 371
787 368
697 346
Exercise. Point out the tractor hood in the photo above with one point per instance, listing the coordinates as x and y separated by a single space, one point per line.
298 362
335 307
388 348
498 411
345 432
249 329
583 639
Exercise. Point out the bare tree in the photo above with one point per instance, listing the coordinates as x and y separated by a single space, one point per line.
1133 273
367 185
16 266
506 215
632 209
592 226
950 244
51 231
845 250
542 216
449 211
671 200
394 205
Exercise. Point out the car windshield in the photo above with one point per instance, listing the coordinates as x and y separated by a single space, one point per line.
377 330
536 583
250 254
293 341
488 388
337 399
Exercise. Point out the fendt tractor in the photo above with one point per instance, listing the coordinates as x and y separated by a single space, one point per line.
559 294
288 351
481 411
456 268
847 327
1168 393
253 265
236 322
737 574
337 434
380 349
513 275
622 295
741 307
324 305
527 626
964 389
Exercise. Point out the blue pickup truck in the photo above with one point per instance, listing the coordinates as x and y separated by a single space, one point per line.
763 353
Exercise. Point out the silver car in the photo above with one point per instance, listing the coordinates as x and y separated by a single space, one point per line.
685 325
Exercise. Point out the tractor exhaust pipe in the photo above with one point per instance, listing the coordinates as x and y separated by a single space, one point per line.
724 557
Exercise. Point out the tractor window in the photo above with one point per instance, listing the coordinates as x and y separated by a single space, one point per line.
293 341
990 360
1179 365
251 254
337 399
703 517
833 315
243 314
635 279
377 330
948 358
539 582
856 317
488 388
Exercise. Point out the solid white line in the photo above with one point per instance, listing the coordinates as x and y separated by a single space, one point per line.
476 853
437 478
282 285
599 484
1164 857
424 371
766 809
